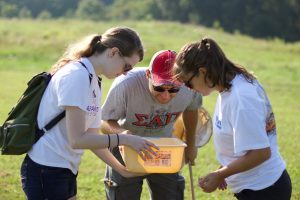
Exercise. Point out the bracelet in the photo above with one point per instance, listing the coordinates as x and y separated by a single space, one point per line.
108 141
118 140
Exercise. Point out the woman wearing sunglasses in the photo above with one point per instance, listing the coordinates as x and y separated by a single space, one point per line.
146 102
50 169
244 126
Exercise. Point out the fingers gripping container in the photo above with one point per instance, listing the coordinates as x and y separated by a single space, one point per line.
169 157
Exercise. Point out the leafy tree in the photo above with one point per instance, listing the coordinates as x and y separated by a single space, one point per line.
91 9
174 9
267 19
131 9
44 15
8 10
24 13
57 8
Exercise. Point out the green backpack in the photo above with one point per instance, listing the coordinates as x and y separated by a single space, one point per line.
20 130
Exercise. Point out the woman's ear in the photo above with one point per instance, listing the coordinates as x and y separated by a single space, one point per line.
113 51
202 70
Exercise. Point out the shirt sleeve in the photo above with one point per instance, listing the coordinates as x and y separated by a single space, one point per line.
114 107
249 130
196 101
73 90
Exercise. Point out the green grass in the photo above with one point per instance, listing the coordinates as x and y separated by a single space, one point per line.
28 47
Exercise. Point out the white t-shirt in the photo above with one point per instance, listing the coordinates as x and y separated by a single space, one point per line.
130 102
70 86
243 121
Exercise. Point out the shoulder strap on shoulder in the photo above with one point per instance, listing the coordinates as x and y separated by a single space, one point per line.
91 75
60 116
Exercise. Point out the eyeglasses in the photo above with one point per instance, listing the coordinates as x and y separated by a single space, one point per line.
127 67
188 83
161 89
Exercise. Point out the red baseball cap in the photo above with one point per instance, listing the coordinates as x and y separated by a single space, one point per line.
161 67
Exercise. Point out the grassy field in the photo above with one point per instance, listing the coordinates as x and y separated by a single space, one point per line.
28 47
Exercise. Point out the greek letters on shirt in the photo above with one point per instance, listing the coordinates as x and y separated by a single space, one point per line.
155 120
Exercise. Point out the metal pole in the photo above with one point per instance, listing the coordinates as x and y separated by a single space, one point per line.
191 181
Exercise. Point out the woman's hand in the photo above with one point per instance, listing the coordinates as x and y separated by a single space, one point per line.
127 174
143 147
223 185
211 182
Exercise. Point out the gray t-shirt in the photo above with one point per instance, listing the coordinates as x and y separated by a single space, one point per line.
130 102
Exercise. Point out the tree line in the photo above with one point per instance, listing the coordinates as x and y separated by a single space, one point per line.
264 19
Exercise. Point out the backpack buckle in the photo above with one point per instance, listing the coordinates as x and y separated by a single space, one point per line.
5 130
4 145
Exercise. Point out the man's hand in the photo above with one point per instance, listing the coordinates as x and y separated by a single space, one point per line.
190 119
191 154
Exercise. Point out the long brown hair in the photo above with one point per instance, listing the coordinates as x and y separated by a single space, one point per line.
208 54
125 39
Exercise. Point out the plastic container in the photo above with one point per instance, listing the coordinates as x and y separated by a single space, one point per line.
169 157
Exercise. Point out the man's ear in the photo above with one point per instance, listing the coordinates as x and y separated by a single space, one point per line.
148 74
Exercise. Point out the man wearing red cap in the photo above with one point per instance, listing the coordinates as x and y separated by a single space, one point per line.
146 102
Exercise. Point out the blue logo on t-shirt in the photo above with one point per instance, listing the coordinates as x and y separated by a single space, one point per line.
218 123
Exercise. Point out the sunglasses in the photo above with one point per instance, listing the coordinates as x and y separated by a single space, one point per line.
127 67
188 82
161 89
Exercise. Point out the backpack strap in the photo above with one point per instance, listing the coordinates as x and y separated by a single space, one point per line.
91 75
50 124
